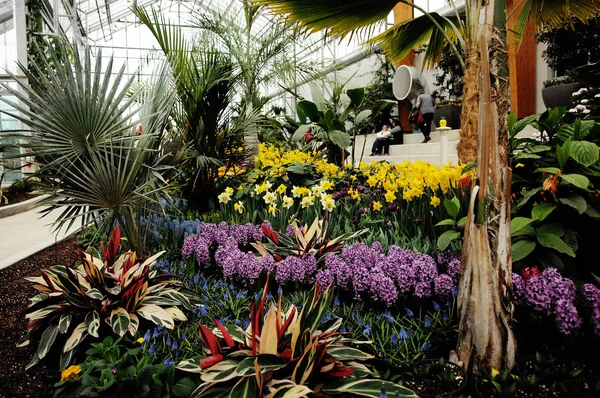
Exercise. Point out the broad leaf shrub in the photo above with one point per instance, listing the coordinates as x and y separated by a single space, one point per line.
402 200
100 297
283 352
556 201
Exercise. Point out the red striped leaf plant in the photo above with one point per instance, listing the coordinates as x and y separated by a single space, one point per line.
285 354
97 297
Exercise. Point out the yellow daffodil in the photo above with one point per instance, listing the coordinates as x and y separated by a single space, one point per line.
270 197
377 206
281 189
519 165
272 209
328 203
317 190
70 373
326 185
239 207
229 190
354 194
288 202
390 196
435 201
307 201
224 197
297 191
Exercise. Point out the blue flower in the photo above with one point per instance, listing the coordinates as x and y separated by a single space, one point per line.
455 292
388 317
409 312
403 335
147 336
152 349
343 329
436 306
174 346
202 310
445 316
168 362
155 334
427 321
383 393
279 291
168 341
394 339
182 336
425 346
336 302
367 330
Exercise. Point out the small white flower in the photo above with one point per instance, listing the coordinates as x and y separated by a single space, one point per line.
580 107
584 101
587 111
573 110
597 95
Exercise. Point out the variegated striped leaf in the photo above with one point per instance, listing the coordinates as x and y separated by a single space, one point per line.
119 321
176 314
94 294
92 321
43 312
367 388
343 353
46 341
223 371
76 337
157 315
64 323
191 365
244 388
134 324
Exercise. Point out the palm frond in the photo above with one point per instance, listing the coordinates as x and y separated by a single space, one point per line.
398 41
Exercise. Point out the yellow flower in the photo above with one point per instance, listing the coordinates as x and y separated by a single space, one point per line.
281 189
377 206
495 372
140 340
272 209
354 194
270 197
239 207
519 165
287 202
353 177
435 201
70 373
317 190
224 197
390 196
326 185
307 201
328 203
229 190
296 192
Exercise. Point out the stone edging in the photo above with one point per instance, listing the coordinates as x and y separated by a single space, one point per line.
20 207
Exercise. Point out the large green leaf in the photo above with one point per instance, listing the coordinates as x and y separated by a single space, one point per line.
356 96
446 238
584 152
184 387
343 353
310 109
542 210
580 181
340 138
265 362
362 116
518 223
452 207
528 195
522 249
554 242
575 201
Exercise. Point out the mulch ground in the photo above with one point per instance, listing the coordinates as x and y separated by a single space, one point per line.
14 298
14 198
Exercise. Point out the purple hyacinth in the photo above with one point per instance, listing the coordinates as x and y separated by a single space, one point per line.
443 286
566 317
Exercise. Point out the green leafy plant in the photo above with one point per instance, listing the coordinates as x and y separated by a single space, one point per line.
554 181
112 369
285 353
434 377
96 295
456 225
505 384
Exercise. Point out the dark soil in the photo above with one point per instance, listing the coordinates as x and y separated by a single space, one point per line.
14 298
15 198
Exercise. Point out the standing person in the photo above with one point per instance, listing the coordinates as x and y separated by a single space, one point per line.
426 104
383 135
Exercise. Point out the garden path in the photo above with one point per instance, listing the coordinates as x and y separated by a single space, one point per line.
24 234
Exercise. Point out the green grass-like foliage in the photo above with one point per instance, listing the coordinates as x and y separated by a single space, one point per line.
285 353
78 302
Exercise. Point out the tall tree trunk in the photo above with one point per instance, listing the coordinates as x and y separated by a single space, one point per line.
484 306
467 146
251 133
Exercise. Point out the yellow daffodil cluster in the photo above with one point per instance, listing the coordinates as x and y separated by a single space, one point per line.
225 196
231 171
411 179
276 160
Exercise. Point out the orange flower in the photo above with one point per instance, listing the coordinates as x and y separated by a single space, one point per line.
70 373
551 184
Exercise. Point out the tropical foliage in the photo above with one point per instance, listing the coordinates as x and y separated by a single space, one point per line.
286 353
82 301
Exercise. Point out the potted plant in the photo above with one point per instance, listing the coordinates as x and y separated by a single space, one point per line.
568 46
450 88
435 378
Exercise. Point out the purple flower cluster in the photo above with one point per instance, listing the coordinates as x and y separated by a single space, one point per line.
551 295
590 298
301 269
367 270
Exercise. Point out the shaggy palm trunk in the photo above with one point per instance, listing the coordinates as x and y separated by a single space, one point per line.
484 305
251 133
467 146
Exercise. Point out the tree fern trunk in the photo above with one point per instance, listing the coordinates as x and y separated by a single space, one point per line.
484 302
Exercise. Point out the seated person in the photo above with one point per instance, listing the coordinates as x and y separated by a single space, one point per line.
383 135
396 136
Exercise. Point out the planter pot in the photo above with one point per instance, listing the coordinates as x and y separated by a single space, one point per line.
429 378
557 96
451 112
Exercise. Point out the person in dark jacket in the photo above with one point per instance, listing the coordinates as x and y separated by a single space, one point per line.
426 104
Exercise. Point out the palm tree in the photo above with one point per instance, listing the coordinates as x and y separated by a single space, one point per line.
485 309
262 53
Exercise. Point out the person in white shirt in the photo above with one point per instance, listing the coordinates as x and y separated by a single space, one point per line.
384 134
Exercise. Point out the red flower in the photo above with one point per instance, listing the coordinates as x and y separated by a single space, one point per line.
530 272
